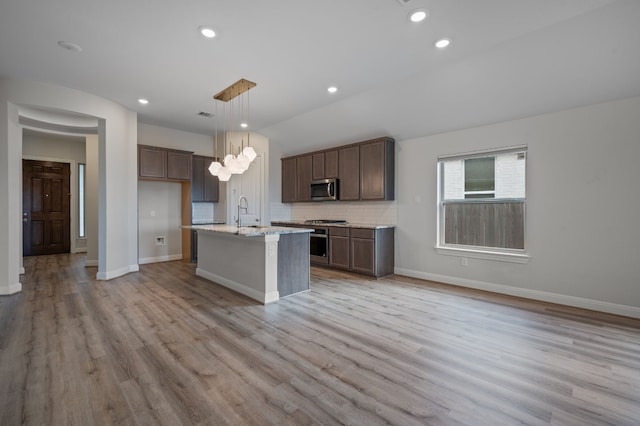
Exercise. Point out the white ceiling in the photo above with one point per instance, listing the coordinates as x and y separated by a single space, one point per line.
508 59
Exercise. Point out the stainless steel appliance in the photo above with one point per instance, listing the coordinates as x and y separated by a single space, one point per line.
324 190
194 239
319 239
319 246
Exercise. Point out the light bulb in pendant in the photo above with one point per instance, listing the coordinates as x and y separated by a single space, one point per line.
214 168
250 153
224 174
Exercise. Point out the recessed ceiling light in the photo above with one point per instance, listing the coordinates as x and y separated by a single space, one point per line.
442 43
418 15
332 89
244 125
70 46
206 31
143 101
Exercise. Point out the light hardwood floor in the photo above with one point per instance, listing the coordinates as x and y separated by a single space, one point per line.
163 346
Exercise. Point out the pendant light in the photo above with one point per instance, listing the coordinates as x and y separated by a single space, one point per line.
234 162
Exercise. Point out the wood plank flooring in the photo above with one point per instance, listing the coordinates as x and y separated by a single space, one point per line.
163 346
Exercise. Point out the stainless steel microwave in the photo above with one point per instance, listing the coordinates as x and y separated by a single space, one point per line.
324 189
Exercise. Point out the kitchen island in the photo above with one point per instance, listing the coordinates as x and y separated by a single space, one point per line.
263 263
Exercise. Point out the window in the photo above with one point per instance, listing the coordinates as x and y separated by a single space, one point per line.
479 177
481 202
82 175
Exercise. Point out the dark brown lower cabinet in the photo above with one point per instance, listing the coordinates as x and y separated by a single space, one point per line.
339 248
364 255
362 250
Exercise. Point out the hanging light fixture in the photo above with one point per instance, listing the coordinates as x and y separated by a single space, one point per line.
234 161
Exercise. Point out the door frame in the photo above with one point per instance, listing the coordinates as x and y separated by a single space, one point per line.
73 201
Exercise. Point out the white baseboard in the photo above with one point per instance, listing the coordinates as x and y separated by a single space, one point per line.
108 275
90 263
21 271
157 259
11 289
561 299
261 297
79 250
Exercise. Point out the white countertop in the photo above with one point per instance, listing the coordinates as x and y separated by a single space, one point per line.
337 225
247 231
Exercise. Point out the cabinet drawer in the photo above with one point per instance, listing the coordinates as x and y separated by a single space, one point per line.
338 232
363 233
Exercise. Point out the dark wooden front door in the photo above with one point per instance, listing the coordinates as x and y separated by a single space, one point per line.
45 203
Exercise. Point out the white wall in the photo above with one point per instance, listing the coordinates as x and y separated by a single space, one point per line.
10 193
164 198
159 210
253 183
117 193
176 139
91 199
65 149
582 213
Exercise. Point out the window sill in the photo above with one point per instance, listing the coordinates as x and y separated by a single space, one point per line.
484 254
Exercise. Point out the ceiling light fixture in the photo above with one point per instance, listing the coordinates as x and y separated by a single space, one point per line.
332 89
418 15
206 32
236 161
143 101
70 46
442 43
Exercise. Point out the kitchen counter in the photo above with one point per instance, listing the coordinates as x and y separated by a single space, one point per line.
338 225
249 231
263 263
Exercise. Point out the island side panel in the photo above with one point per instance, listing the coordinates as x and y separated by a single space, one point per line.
247 265
293 263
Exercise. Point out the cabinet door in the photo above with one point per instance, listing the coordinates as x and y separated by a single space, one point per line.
152 162
178 165
318 166
289 190
339 252
304 167
331 164
211 183
377 170
363 258
349 173
197 175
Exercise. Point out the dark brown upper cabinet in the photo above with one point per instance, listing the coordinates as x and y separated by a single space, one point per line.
152 162
204 186
365 171
349 173
304 173
325 165
318 166
155 163
289 186
377 170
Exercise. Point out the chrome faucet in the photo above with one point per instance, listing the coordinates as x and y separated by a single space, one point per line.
245 207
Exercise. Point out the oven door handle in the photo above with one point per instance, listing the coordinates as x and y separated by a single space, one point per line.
314 235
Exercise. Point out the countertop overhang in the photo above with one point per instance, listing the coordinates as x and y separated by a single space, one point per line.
248 231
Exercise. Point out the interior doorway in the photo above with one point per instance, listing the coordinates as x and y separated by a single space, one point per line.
46 207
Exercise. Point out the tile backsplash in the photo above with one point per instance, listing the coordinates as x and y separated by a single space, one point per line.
373 212
201 213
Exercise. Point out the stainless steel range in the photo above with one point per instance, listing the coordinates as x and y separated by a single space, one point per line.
319 239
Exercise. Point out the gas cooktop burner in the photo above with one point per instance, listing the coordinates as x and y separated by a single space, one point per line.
324 221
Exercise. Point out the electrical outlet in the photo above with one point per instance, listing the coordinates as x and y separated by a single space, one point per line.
160 241
464 261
